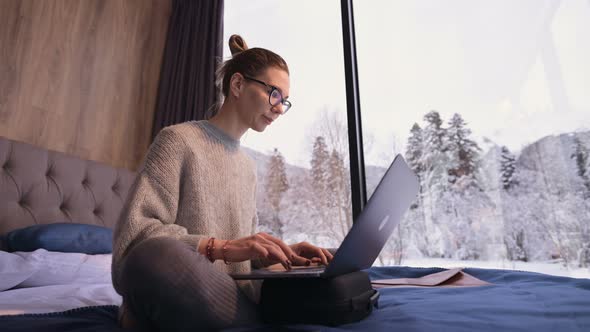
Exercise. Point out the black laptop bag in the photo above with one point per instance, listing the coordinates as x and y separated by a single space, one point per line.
339 300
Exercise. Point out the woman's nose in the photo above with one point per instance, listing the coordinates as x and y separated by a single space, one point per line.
278 109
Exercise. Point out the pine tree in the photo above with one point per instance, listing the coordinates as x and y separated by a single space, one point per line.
336 185
334 177
319 177
463 151
434 133
507 168
463 200
516 230
434 183
433 159
276 185
414 150
582 227
580 155
319 165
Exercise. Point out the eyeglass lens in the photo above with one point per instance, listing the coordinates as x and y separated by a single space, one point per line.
276 98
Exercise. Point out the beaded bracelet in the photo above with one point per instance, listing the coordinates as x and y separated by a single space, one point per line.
210 248
224 252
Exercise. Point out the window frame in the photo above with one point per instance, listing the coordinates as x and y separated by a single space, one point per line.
353 110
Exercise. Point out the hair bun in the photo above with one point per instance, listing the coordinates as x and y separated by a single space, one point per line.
237 44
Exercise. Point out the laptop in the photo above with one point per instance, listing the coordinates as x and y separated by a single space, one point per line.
369 233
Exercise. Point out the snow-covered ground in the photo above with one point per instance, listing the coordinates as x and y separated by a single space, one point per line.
547 268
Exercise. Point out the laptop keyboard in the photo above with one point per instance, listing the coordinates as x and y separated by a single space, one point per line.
306 269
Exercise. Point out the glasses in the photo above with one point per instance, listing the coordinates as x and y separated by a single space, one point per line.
274 95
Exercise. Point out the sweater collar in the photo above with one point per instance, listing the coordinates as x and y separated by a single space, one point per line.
228 141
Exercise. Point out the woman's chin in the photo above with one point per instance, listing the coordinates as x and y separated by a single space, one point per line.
259 128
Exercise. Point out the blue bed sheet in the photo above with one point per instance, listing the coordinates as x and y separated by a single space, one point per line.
517 301
85 319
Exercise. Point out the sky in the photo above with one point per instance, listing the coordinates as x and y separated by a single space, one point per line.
515 70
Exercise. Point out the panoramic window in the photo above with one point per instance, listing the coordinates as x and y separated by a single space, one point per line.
488 102
302 159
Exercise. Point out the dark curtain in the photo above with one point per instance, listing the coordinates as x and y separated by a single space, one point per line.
194 47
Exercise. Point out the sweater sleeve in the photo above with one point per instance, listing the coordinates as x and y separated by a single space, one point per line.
152 202
257 263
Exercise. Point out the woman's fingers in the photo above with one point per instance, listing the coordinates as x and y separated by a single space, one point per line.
328 254
299 261
322 255
293 257
277 254
319 253
274 251
257 250
270 252
316 253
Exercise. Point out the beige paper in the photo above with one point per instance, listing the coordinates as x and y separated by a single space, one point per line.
448 278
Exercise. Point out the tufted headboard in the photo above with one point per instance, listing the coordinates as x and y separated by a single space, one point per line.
38 186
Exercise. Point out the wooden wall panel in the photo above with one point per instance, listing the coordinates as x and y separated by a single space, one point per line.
81 76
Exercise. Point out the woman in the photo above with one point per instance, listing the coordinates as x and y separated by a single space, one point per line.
190 216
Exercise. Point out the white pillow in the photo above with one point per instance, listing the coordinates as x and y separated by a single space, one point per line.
60 268
13 270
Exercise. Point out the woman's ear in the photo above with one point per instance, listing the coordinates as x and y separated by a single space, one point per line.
236 84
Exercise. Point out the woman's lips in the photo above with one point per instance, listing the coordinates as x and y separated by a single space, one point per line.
268 120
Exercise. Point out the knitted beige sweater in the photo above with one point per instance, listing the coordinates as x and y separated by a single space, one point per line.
194 183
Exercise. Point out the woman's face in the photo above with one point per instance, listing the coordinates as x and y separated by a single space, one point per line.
255 109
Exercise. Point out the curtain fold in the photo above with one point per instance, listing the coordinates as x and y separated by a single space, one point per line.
194 46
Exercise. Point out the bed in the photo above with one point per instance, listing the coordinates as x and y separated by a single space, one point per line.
45 289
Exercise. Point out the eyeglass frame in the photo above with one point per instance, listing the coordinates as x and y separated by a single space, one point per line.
272 88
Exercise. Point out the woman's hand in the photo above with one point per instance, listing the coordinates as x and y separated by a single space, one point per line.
312 253
260 245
